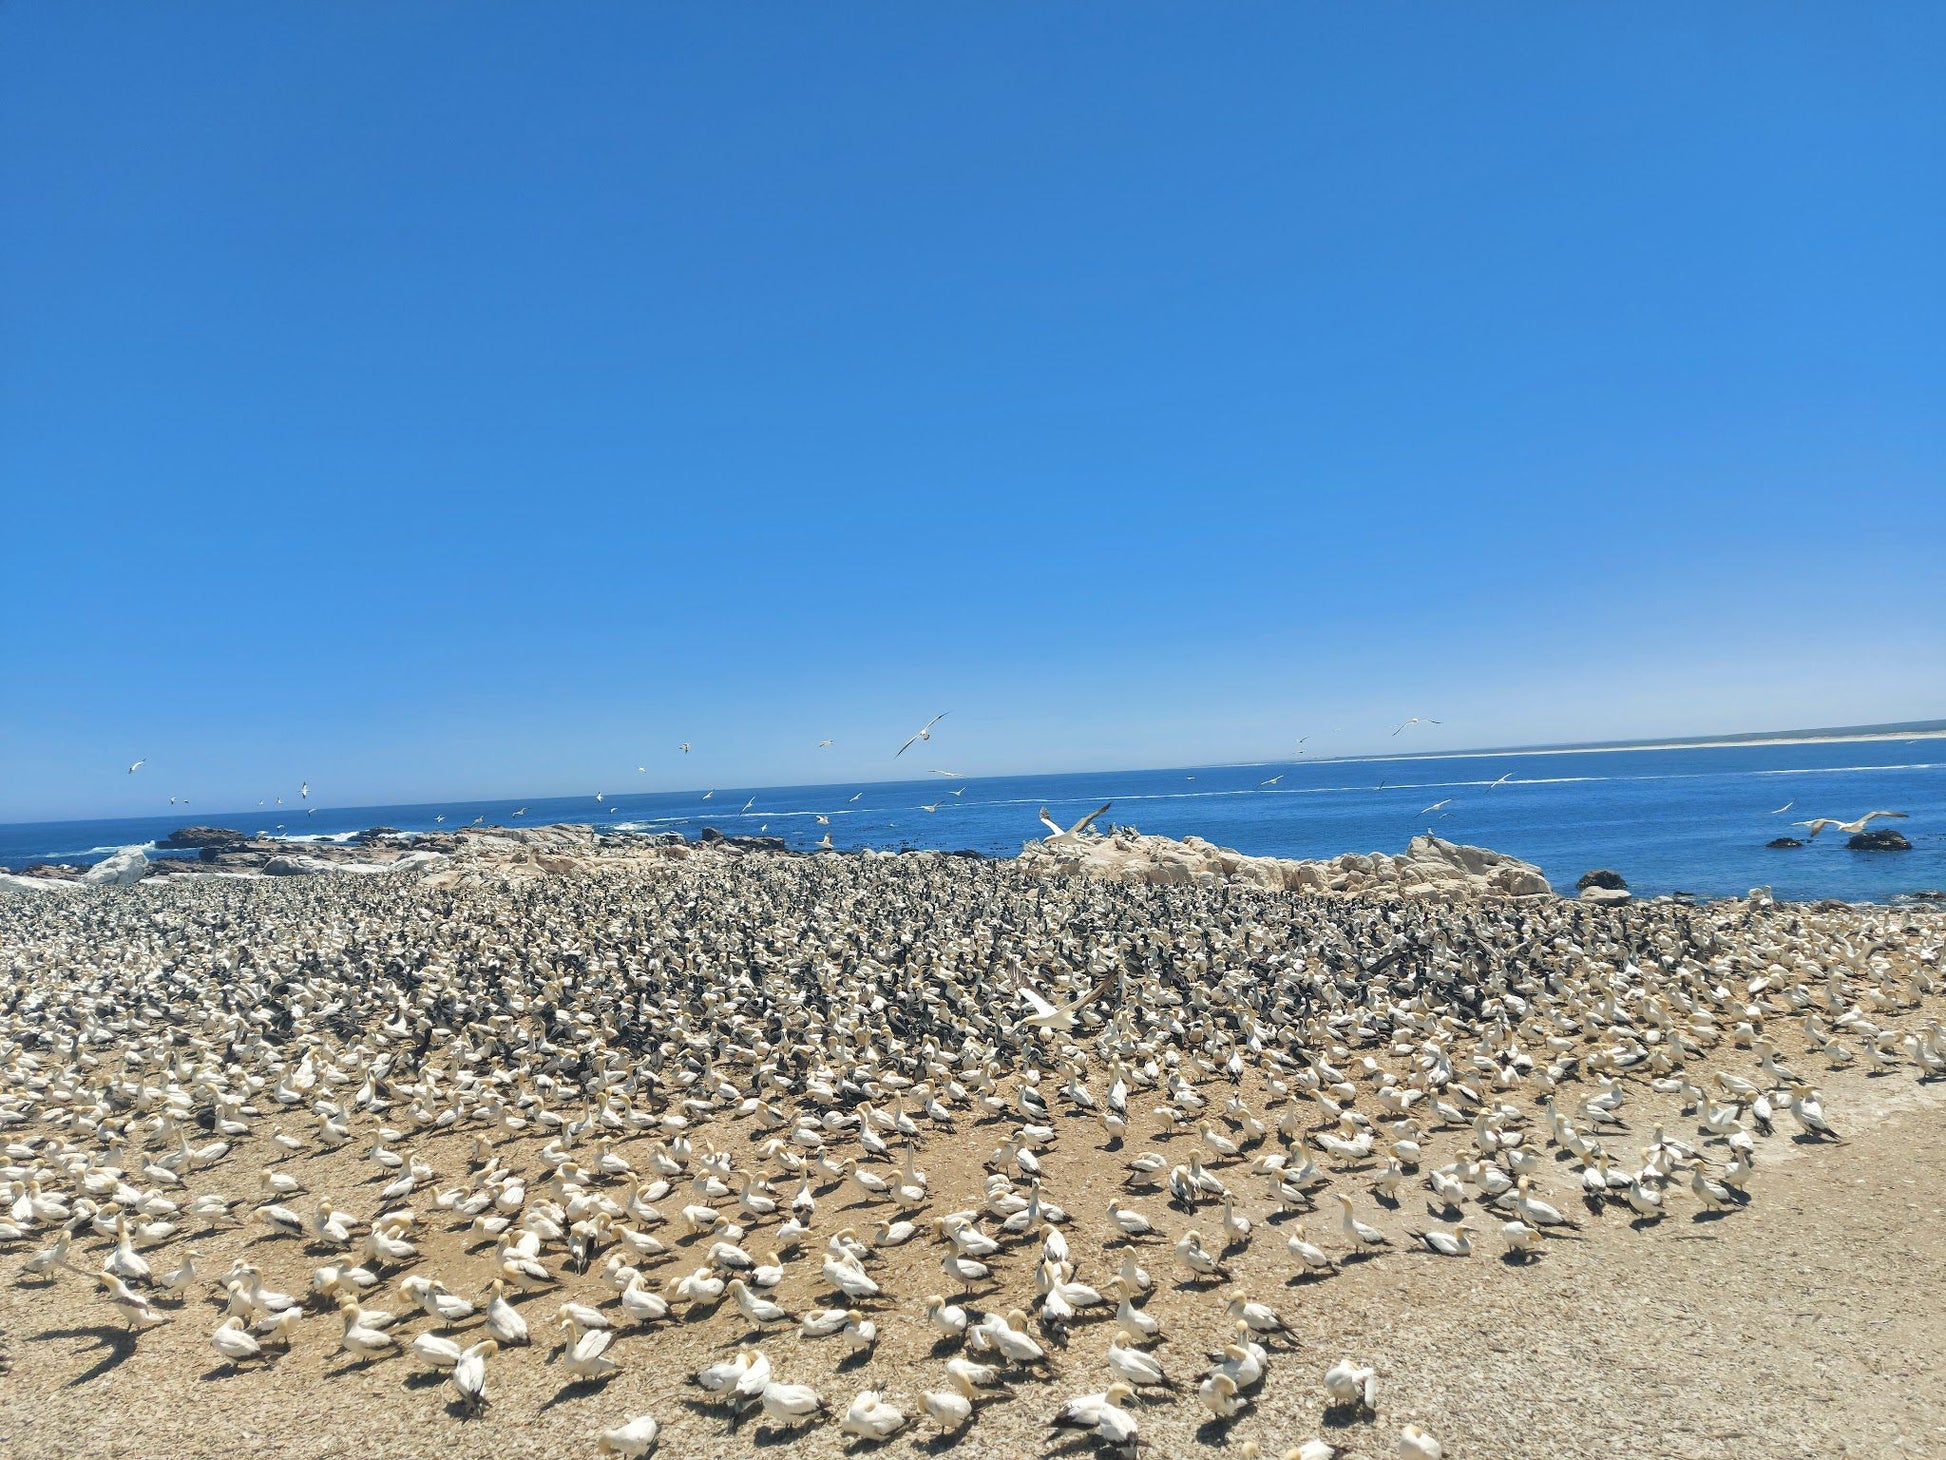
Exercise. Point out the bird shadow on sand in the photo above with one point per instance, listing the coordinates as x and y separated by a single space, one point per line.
1214 1432
264 1363
766 1437
1306 1278
1200 1285
356 1366
1344 1416
939 1444
574 1389
423 1379
119 1342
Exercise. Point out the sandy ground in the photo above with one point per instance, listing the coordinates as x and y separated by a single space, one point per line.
1807 1324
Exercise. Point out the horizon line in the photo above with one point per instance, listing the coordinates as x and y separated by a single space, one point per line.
1826 735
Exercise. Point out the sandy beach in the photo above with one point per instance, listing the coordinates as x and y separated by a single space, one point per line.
602 1048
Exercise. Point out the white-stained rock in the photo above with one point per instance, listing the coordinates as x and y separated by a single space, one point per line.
12 882
1429 867
119 869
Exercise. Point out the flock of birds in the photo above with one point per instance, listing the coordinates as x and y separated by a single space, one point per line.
795 1107
923 735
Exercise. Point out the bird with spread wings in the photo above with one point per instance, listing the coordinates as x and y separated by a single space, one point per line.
1056 832
1058 1018
925 733
1849 828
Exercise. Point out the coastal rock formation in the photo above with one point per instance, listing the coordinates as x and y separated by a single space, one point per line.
303 866
195 838
120 869
1429 867
15 882
1782 842
1603 878
1606 896
1878 841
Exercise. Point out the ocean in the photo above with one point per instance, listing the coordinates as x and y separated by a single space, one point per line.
1685 819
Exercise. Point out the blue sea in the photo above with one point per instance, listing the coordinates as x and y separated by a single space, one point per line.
1669 820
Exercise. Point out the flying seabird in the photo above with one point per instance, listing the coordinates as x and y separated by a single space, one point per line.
925 733
1056 832
1849 828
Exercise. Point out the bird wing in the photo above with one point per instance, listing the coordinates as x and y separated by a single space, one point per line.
1818 824
1042 1009
1048 822
904 748
1086 999
1871 815
1081 825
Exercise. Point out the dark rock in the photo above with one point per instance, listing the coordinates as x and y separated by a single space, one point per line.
239 861
180 866
1879 841
195 838
1601 877
54 871
1783 841
376 833
711 834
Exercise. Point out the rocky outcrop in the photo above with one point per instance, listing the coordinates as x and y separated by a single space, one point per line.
195 838
1606 896
1429 867
1601 877
1782 843
1878 841
14 882
118 869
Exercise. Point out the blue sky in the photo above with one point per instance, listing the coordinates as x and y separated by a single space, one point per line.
433 401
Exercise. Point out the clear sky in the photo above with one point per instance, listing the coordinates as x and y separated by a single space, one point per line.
456 400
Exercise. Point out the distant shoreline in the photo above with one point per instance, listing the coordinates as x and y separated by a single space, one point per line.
1818 738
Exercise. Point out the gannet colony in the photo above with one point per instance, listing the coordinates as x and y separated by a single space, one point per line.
556 1144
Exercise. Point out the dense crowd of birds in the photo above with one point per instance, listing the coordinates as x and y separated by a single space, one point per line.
756 1086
